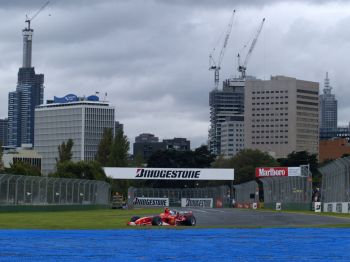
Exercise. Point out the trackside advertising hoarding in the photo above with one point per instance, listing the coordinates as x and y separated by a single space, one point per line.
277 171
151 201
196 202
170 173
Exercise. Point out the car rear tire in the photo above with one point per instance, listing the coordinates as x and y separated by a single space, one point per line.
190 221
156 221
134 218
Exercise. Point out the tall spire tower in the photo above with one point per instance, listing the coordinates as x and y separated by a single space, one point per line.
328 109
27 46
29 94
327 88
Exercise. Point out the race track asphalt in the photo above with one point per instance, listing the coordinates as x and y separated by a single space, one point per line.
257 218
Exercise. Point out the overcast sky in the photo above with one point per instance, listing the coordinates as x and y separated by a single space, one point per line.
151 56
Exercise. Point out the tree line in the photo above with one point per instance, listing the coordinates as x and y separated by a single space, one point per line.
113 152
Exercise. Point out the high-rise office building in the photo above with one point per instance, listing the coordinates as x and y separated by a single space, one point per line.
328 109
223 104
81 119
232 136
118 127
177 143
146 138
22 102
147 144
281 115
3 131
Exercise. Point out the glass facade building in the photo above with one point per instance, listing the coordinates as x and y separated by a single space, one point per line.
82 121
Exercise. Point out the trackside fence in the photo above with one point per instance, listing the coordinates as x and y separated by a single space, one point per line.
36 190
291 192
246 194
335 189
177 197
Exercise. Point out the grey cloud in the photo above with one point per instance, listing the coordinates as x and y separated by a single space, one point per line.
151 57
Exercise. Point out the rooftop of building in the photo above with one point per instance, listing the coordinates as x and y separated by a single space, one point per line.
73 100
279 78
26 150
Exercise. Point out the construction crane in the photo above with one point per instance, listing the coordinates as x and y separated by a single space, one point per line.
243 68
28 20
216 65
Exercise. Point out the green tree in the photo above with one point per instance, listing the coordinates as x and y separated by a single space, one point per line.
104 148
199 158
119 150
166 158
138 161
303 158
80 170
23 168
300 158
203 157
65 151
245 162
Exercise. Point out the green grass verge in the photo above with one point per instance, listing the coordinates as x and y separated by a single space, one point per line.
89 219
113 219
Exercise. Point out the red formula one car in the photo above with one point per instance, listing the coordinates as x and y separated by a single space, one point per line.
168 218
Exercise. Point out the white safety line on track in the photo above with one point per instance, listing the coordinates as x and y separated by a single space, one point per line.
209 210
199 210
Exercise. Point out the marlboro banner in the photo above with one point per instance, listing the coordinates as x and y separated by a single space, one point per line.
277 171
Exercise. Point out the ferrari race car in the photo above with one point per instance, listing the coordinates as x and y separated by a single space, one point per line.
168 218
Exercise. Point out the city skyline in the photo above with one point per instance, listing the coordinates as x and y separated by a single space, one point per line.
152 57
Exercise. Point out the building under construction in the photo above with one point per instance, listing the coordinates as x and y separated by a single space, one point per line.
224 104
227 105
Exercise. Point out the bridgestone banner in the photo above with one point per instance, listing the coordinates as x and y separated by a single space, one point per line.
277 171
151 201
170 173
197 202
